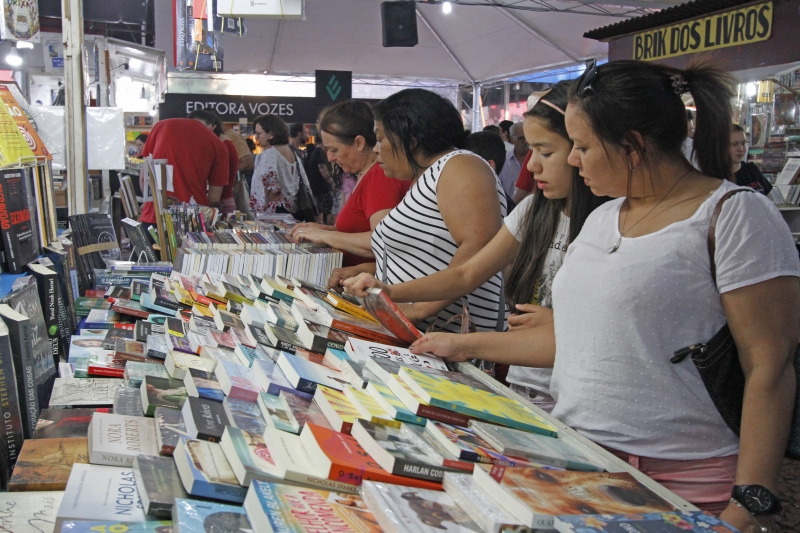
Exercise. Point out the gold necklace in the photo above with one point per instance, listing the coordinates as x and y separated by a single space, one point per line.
621 234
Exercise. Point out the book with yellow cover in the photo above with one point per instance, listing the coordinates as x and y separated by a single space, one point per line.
183 296
336 408
342 304
441 392
368 408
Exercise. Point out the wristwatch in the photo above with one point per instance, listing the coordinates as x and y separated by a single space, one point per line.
756 499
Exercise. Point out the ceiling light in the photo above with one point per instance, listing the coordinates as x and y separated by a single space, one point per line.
447 7
124 79
752 89
24 44
13 58
153 112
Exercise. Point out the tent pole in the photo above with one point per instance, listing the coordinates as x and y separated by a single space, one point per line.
476 108
75 106
506 100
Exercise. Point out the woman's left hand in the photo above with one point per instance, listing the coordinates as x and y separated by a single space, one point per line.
315 235
741 519
531 316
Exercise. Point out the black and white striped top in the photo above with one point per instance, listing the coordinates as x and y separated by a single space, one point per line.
412 241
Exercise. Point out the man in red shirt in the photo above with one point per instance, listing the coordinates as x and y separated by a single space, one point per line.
524 185
199 160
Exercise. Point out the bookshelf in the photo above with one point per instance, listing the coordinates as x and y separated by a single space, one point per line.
609 461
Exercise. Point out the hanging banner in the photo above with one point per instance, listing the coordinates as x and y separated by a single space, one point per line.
20 21
747 25
26 129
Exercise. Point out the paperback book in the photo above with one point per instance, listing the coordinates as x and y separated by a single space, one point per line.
115 439
98 492
30 512
301 411
490 516
45 464
161 392
237 381
386 311
248 456
169 429
274 412
244 415
198 516
84 392
674 522
63 423
204 419
202 384
158 483
205 472
465 445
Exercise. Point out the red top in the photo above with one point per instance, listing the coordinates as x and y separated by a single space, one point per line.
233 164
525 179
198 158
374 192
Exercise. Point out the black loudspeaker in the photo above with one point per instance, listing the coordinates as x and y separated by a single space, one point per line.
399 23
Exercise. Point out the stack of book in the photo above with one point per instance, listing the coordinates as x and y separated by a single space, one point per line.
220 402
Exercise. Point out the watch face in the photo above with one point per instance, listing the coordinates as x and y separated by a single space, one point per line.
757 499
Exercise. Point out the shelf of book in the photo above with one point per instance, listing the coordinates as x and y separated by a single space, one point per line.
603 457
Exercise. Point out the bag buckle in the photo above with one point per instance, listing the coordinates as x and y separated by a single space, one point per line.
683 353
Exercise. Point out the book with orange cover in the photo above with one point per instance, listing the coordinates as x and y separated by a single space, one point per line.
45 464
341 458
378 303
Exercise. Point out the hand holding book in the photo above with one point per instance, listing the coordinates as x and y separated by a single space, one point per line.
360 285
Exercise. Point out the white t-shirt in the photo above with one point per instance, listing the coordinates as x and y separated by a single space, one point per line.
538 378
619 318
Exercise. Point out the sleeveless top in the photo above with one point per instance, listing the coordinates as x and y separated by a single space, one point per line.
412 241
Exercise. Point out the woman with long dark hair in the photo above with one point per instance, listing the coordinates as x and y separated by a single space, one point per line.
532 241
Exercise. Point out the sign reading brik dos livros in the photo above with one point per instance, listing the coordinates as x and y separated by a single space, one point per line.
746 25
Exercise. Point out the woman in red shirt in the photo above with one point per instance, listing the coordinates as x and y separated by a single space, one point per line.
226 203
347 134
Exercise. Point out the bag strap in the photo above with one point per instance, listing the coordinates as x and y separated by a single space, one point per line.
501 307
712 229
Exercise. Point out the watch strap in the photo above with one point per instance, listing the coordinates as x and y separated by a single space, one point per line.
738 494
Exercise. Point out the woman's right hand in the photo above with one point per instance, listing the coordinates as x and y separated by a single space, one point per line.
359 285
308 226
445 345
339 275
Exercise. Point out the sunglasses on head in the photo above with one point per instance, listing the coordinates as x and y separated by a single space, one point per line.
585 85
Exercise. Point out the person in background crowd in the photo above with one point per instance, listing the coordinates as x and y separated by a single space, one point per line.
321 186
212 121
494 129
198 157
746 174
347 133
688 143
514 159
297 139
524 185
251 145
532 242
278 173
505 133
448 215
489 146
248 175
139 143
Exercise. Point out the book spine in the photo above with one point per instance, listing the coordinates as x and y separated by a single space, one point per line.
418 470
46 284
322 483
287 347
106 372
354 329
443 415
275 390
22 348
354 310
12 435
307 386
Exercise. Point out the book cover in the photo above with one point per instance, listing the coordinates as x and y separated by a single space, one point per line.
128 402
19 238
105 366
158 483
178 363
336 408
84 392
238 381
341 458
417 406
200 517
99 492
674 522
274 413
275 507
47 285
305 376
135 372
465 445
535 495
327 315
386 311
115 439
83 305
144 328
130 308
301 411
169 428
390 403
249 456
179 344
368 409
93 526
402 451
340 302
110 340
546 450
490 516
45 464
244 415
320 338
415 511
362 351
204 419
280 317
205 472
63 423
161 392
22 367
212 356
12 416
29 512
283 339
442 392
156 346
202 384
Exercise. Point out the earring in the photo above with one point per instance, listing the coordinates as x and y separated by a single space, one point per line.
360 152
632 168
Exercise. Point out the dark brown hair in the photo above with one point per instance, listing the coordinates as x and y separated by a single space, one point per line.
348 120
274 125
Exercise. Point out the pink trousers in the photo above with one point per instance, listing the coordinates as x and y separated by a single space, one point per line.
705 483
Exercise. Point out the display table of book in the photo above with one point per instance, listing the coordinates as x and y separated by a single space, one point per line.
221 402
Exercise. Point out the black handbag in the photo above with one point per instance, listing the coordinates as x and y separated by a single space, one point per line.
717 361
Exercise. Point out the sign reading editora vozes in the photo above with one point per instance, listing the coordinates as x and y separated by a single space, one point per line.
231 108
747 25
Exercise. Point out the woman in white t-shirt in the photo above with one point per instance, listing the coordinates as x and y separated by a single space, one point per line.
533 241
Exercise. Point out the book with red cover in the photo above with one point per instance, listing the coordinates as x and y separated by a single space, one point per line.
109 368
386 311
330 316
343 459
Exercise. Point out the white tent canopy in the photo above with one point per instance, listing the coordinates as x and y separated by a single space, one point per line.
478 41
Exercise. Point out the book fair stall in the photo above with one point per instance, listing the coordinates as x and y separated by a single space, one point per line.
175 365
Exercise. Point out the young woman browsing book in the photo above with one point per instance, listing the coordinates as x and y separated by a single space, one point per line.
533 241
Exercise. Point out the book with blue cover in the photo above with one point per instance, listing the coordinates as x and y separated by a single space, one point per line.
205 471
201 517
273 380
305 376
674 522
